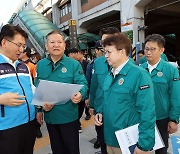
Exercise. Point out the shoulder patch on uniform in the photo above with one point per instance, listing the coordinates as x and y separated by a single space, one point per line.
144 87
176 79
81 72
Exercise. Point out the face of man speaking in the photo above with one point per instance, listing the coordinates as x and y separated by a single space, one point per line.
13 47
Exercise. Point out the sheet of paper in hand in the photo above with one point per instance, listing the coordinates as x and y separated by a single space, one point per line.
128 137
54 92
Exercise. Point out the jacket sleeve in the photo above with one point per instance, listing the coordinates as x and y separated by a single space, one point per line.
146 107
174 96
79 78
88 77
93 89
36 80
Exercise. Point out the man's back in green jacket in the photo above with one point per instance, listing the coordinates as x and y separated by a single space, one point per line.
96 89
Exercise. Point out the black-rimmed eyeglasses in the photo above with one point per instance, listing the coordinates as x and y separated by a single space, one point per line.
18 44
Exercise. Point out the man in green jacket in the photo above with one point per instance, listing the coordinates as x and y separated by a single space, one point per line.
166 82
128 98
61 120
100 71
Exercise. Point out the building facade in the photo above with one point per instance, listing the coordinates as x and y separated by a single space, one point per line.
136 17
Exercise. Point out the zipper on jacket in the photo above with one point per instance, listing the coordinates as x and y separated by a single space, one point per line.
24 95
2 111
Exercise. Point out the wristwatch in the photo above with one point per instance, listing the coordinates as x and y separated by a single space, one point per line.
39 109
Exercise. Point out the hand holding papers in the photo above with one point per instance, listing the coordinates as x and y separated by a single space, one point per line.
47 107
54 92
76 98
128 137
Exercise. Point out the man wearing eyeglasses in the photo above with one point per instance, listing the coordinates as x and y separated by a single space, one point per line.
128 98
166 83
17 114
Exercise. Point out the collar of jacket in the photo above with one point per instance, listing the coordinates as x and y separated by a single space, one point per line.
105 61
159 66
61 61
3 60
126 68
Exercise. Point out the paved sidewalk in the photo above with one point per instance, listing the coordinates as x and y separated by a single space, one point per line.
87 138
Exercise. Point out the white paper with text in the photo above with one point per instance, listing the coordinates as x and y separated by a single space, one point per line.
128 137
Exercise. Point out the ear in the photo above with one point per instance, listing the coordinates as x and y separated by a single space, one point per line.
162 50
46 46
3 42
123 52
64 45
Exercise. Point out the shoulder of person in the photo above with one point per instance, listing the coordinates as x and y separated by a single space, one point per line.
169 67
136 67
100 60
22 63
143 64
143 60
31 63
43 61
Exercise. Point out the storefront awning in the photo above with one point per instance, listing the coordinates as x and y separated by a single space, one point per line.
88 37
82 46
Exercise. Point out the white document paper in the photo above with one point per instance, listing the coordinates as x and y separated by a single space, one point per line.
128 137
54 92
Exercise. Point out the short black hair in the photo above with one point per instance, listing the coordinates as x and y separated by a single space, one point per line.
28 51
108 30
73 50
156 38
9 31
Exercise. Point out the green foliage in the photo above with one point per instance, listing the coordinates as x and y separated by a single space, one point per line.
130 35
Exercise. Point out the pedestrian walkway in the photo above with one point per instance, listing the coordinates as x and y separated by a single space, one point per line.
87 139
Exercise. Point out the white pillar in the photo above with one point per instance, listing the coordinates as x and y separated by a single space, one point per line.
138 21
131 12
76 10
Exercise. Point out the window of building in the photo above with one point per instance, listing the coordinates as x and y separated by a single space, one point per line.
69 8
65 9
84 2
